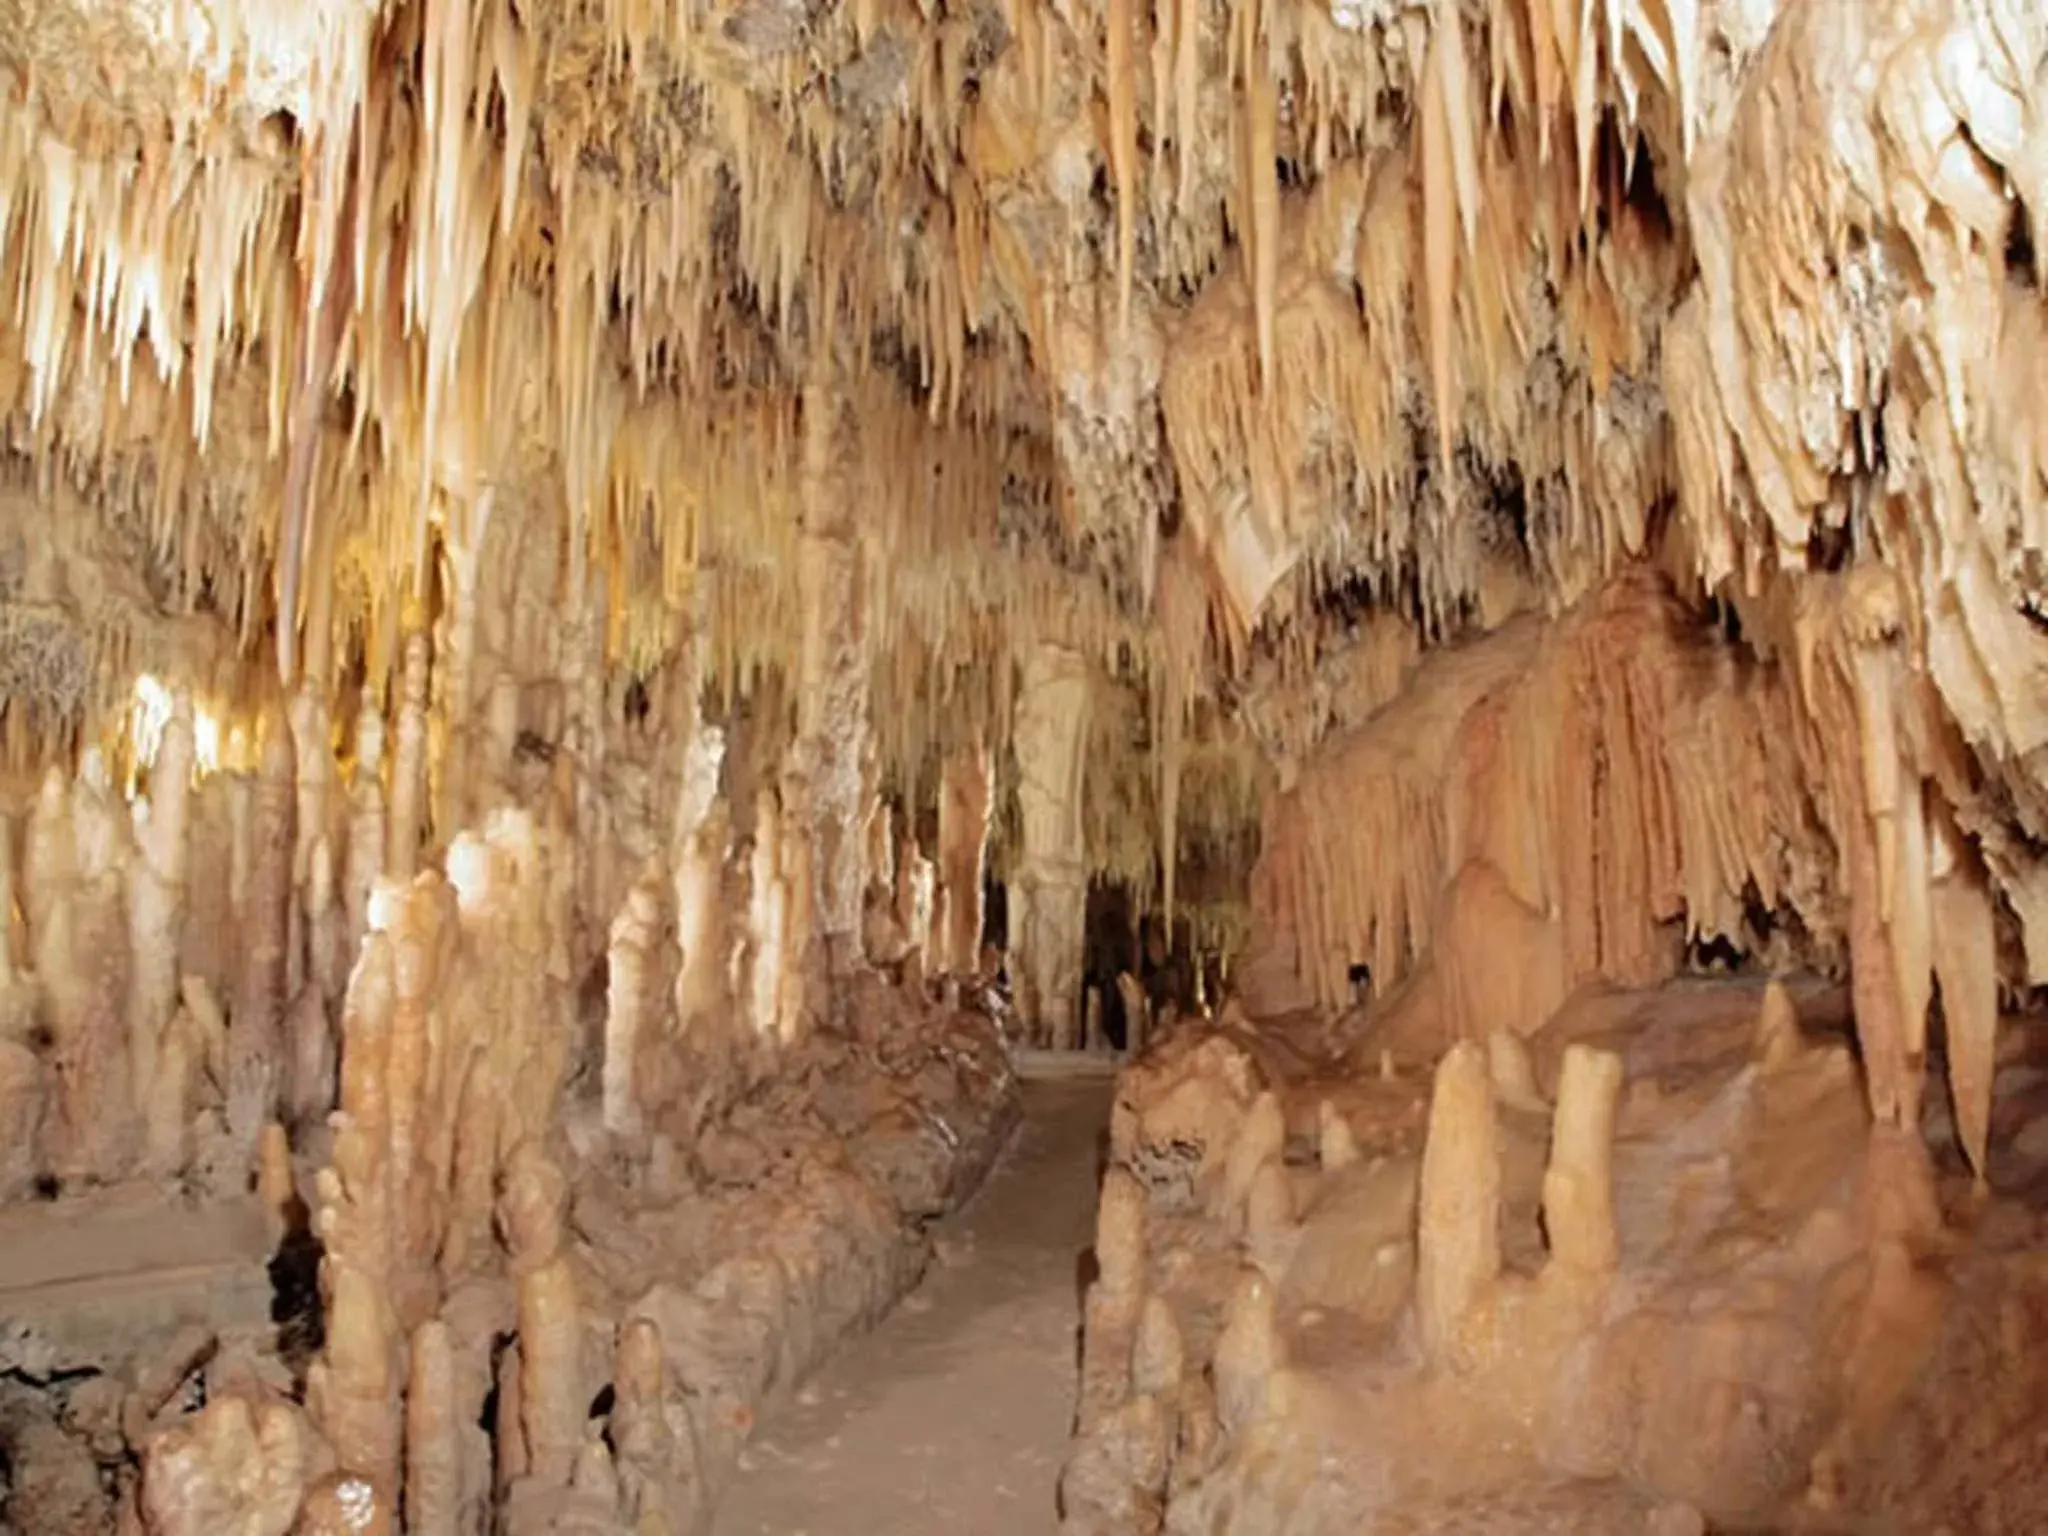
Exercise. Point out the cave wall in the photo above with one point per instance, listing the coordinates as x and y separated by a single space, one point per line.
1555 802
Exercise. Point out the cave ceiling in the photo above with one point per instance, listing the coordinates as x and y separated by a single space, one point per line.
1208 338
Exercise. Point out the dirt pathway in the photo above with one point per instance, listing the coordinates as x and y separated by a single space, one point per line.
954 1414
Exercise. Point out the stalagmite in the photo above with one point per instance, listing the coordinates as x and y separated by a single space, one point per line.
433 1470
966 801
77 884
313 824
1578 1191
1965 958
1049 888
367 829
552 1400
1137 1013
700 921
256 1016
653 1467
767 924
824 780
156 895
630 1000
406 824
1458 1216
915 883
1464 537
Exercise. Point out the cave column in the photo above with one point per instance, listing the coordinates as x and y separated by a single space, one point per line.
822 782
967 792
583 688
405 826
697 837
1049 889
455 758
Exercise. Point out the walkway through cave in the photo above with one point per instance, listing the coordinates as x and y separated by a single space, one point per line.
954 1414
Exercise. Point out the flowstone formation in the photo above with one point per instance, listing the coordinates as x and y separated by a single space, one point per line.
1652 1268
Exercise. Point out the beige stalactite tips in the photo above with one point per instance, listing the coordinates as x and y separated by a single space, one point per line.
1458 1212
1578 1184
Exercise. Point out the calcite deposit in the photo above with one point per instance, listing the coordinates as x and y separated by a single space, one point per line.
609 612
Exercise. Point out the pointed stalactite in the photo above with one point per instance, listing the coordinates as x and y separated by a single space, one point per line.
1262 184
1123 149
1439 246
1187 98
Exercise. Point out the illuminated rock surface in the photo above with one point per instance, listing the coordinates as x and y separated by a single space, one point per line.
610 609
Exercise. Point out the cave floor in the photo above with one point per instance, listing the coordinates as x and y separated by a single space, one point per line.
954 1414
